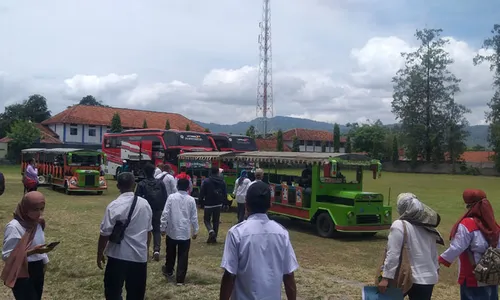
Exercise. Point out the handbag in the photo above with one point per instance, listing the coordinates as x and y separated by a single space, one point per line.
402 278
487 270
118 232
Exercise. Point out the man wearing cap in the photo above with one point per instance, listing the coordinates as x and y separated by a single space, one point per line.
266 245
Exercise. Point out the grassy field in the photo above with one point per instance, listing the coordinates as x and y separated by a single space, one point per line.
329 268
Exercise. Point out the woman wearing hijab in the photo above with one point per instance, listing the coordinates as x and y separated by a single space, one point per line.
420 222
240 191
24 250
470 237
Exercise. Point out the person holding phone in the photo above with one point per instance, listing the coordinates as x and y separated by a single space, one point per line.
24 250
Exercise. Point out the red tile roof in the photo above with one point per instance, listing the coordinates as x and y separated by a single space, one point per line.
47 136
270 145
310 135
131 118
477 156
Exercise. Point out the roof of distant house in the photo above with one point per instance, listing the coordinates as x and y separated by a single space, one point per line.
270 145
47 136
130 118
477 156
310 135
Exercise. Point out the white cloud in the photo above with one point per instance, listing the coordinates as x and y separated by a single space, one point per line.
333 61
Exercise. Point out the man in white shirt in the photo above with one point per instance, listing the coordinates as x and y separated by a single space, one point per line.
168 179
240 192
127 260
258 255
179 217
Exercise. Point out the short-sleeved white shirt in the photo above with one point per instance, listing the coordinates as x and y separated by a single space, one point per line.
133 247
259 252
14 231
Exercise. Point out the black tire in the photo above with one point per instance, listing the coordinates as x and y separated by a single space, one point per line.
325 225
66 189
368 234
118 171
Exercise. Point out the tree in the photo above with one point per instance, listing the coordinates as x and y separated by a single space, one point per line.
207 130
279 141
116 123
348 145
336 138
395 150
424 91
369 138
295 144
167 125
188 128
145 124
493 115
251 132
478 147
90 100
33 109
23 134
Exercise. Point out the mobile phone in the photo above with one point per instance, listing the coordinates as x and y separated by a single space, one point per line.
53 244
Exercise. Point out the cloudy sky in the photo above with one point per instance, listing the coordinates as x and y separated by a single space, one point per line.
332 60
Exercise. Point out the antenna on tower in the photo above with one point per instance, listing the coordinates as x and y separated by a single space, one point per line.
265 82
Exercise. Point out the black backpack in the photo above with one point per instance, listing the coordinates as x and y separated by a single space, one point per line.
155 194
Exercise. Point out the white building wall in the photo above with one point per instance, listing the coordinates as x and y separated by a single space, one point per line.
3 150
78 133
308 148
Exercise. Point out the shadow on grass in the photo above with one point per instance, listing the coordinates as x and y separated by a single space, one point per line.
308 228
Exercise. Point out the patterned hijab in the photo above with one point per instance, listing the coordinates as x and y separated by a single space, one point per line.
410 209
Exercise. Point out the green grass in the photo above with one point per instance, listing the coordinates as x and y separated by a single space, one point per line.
329 268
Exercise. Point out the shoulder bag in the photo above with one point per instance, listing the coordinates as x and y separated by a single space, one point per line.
402 278
487 270
118 232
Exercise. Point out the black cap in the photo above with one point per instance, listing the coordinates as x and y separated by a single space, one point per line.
258 197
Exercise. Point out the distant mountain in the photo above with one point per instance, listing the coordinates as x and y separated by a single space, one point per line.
478 133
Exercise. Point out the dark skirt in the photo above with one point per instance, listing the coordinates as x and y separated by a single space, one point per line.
30 288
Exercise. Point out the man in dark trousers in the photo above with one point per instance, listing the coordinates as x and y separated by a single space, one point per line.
155 192
213 193
128 259
2 184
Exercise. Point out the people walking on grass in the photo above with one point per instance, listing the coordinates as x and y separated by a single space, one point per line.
125 234
183 174
417 226
30 179
24 250
155 192
168 179
240 193
470 237
179 222
213 193
2 184
258 255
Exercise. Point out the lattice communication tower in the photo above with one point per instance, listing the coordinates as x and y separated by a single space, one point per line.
265 81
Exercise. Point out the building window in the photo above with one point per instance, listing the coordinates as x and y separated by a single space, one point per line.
310 143
92 132
301 143
73 130
317 143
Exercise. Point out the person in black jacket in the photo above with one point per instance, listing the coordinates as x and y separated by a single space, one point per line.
212 195
2 184
155 192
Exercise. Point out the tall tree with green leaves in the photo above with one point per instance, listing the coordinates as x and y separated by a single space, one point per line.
167 125
493 115
348 145
23 134
251 132
145 124
395 150
188 128
32 109
370 138
336 138
116 123
424 93
279 141
90 100
295 144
